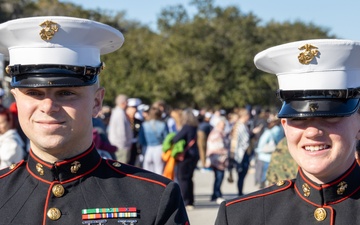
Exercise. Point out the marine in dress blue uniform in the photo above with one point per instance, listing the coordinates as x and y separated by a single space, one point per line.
63 53
319 83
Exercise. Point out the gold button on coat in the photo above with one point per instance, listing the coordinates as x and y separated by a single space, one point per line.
54 213
320 214
58 190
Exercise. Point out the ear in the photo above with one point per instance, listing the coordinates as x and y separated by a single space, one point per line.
98 100
357 115
358 135
13 92
283 124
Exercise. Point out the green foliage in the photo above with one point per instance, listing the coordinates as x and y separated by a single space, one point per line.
202 61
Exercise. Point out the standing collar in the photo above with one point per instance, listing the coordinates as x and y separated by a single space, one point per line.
65 170
331 193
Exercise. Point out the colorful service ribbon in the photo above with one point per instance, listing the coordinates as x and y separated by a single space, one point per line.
108 213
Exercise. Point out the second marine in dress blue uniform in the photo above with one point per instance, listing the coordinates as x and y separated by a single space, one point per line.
319 85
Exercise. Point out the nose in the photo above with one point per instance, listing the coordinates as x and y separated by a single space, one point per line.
313 131
48 105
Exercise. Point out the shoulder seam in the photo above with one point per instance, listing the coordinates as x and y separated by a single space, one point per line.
260 195
17 165
108 162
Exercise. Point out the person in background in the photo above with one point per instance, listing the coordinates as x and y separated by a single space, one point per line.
151 136
187 165
267 143
171 150
99 124
11 144
135 124
2 94
100 138
120 133
215 117
319 87
14 111
104 115
165 114
233 118
240 147
218 155
143 111
104 148
54 71
176 115
257 124
202 136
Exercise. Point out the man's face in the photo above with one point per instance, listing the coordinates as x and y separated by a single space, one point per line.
323 147
58 120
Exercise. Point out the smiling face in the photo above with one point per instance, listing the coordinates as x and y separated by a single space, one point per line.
323 147
58 121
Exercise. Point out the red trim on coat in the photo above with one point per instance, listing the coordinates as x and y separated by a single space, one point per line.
133 176
12 170
260 195
46 205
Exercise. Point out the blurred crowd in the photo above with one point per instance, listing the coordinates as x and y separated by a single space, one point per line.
174 142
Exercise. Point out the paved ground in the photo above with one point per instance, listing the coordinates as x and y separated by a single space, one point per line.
205 211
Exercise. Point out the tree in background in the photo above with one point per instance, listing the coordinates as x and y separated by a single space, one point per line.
201 61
